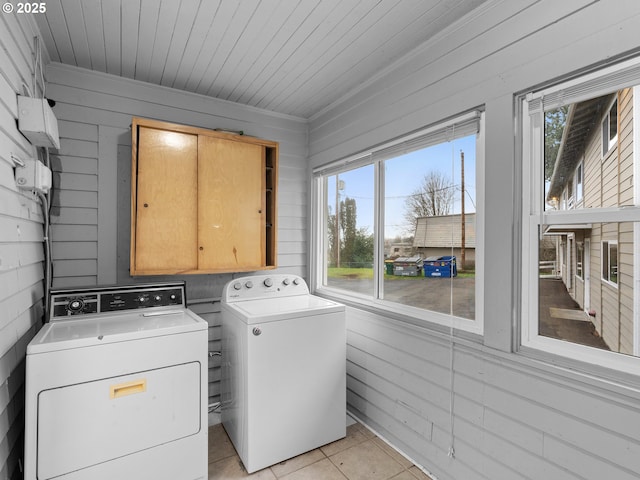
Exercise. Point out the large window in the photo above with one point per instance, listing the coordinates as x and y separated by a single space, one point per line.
399 227
348 229
581 137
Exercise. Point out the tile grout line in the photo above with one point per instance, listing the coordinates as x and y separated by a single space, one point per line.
357 435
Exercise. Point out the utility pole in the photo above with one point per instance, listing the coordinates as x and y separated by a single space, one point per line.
337 234
462 219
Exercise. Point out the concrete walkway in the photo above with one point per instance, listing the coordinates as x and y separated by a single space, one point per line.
562 318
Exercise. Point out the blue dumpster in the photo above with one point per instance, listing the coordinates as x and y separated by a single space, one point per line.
440 266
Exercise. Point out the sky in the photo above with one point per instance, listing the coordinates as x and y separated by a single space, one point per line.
403 175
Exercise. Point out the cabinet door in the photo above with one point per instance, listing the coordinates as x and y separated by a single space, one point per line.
231 199
166 208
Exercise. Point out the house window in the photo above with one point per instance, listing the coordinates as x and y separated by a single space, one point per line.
399 226
570 194
579 260
586 320
610 128
610 262
578 181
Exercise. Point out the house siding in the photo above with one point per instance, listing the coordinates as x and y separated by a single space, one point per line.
21 247
513 417
440 236
609 183
92 177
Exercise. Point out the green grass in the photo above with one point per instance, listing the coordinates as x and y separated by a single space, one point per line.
342 272
367 273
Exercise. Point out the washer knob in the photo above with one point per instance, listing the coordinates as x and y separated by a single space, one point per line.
249 284
296 281
286 281
268 282
75 305
237 285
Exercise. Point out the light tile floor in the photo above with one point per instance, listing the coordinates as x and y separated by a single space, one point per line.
359 456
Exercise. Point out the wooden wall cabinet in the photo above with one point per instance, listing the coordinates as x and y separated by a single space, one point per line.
202 201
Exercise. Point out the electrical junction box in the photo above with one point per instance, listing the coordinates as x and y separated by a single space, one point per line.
34 176
37 122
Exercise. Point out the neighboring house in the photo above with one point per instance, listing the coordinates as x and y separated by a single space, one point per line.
435 236
394 250
595 169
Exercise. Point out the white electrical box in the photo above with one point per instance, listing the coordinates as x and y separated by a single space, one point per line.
34 176
37 122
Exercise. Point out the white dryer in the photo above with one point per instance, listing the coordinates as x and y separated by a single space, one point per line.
283 370
116 387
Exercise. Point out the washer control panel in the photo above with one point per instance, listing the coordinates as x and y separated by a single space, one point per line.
263 286
68 302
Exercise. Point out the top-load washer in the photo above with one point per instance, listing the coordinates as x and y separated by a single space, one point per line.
116 386
283 369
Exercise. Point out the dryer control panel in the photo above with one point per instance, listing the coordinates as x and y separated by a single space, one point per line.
64 303
263 286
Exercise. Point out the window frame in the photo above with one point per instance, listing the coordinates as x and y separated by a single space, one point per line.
377 155
580 260
578 182
608 142
530 112
607 279
571 195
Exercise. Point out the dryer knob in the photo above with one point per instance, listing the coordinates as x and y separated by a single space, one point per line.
286 281
268 282
237 285
249 284
296 281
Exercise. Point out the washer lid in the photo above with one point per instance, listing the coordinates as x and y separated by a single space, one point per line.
272 309
86 332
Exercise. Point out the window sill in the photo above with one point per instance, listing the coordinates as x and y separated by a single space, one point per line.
618 367
610 379
411 315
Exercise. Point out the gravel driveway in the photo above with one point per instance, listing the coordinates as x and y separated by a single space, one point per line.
429 293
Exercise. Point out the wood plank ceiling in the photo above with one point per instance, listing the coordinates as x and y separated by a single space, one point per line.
292 57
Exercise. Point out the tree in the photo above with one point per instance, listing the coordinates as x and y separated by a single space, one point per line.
333 238
554 122
354 245
348 217
434 197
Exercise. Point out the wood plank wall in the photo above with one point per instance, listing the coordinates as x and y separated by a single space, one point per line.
515 417
92 176
21 247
